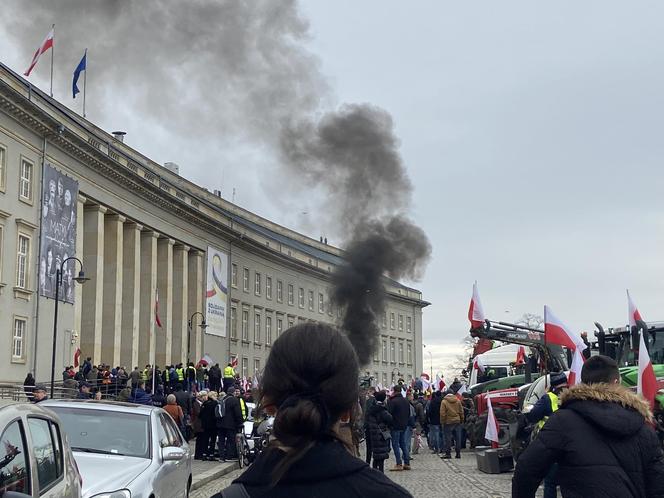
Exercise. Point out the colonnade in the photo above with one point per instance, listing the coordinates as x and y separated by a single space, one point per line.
115 311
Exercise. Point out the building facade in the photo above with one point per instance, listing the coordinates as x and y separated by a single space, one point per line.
145 236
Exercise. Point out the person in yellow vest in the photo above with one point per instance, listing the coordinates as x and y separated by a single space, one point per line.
243 404
179 371
229 377
540 413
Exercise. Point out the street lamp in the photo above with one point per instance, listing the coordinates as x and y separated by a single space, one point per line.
431 364
81 279
203 325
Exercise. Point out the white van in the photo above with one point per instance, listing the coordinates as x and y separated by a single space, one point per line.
496 364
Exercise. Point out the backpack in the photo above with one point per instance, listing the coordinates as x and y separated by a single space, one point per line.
220 410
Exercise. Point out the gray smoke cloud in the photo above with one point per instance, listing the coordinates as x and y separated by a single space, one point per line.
237 69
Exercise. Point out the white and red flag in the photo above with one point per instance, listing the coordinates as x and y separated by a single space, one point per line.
575 370
556 332
478 364
521 356
647 382
234 362
476 312
492 427
46 44
77 357
440 383
426 381
156 308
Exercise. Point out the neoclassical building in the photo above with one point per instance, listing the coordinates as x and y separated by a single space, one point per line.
146 237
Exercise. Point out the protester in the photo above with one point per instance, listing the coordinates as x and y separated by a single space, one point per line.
368 403
229 423
435 429
602 439
451 418
399 408
135 376
174 410
158 398
39 393
209 425
420 421
310 385
28 386
139 396
243 404
214 377
197 425
85 390
378 422
229 377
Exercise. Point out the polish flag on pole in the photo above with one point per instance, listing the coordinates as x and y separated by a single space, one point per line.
575 370
478 364
476 312
647 382
46 44
491 433
156 308
521 356
426 381
556 332
440 383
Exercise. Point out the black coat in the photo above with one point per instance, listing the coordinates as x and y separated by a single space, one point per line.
378 420
232 414
399 408
208 418
603 446
326 470
433 410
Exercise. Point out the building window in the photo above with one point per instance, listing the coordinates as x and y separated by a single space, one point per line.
257 328
268 287
384 321
392 321
19 338
401 352
400 323
280 291
245 325
409 324
257 366
311 300
290 294
300 297
321 303
3 167
375 357
233 322
291 322
384 345
409 353
245 367
280 326
257 284
25 182
22 261
234 275
245 280
268 330
384 380
393 358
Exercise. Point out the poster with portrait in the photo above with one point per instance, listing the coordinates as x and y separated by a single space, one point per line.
216 295
58 233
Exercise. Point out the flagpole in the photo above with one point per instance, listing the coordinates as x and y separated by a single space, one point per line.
85 78
52 55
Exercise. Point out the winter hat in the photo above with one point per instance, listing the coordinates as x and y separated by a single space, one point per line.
558 378
380 396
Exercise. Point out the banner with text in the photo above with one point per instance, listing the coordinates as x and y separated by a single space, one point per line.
58 233
216 295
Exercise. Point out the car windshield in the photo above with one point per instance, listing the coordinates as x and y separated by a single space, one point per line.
105 431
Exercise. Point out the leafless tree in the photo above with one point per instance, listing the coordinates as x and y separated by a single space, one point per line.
531 320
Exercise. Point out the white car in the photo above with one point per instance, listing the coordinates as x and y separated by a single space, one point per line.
125 450
35 458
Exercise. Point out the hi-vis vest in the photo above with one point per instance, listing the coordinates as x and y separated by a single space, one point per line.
554 407
229 372
180 373
243 407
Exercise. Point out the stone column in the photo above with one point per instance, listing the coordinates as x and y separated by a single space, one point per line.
78 288
180 298
111 332
93 261
131 294
146 341
196 303
165 286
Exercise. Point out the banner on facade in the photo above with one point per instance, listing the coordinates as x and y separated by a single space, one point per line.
58 233
216 296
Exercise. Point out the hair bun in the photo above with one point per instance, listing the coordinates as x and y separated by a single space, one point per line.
300 418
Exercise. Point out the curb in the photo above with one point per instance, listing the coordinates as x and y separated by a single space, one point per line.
211 476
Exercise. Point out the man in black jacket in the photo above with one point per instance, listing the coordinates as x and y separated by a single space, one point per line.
600 437
399 408
229 425
433 417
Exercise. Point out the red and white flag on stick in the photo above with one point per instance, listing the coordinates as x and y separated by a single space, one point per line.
476 312
492 427
479 364
156 308
647 382
578 360
521 356
46 44
440 383
426 381
556 332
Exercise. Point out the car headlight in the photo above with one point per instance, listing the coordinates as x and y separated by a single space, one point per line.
120 493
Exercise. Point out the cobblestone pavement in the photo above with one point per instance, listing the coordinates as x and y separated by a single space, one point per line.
430 477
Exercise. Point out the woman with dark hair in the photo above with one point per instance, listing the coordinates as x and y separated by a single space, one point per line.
310 385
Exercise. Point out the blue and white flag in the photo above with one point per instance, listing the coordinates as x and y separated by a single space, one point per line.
77 72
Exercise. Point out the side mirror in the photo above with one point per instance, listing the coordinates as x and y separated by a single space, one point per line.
172 454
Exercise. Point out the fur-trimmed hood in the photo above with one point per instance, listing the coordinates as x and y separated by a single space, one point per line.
611 407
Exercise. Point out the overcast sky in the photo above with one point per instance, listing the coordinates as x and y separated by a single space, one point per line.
531 132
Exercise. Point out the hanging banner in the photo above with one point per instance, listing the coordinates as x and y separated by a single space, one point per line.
216 296
58 233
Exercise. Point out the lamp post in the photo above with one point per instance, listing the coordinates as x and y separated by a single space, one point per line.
81 279
203 325
431 365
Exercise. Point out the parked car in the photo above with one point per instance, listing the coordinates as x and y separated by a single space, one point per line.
35 457
125 450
